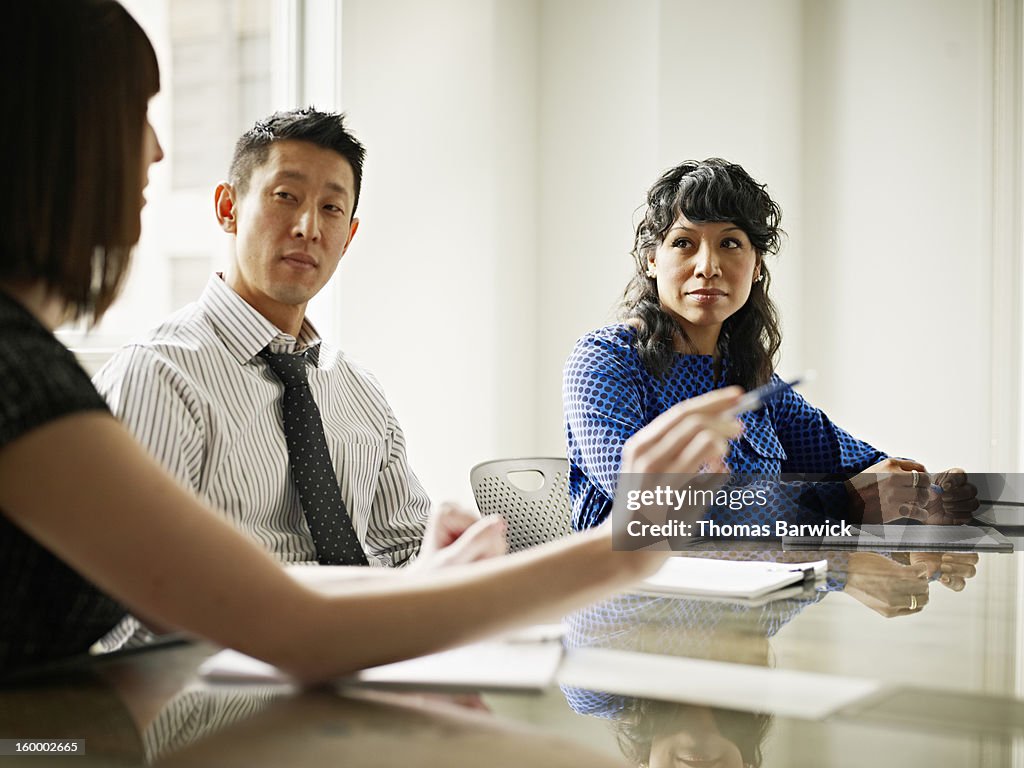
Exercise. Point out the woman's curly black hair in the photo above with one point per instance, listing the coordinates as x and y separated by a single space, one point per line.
713 190
644 720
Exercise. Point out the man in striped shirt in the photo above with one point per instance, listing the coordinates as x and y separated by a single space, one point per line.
195 392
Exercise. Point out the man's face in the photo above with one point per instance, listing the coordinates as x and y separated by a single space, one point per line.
292 226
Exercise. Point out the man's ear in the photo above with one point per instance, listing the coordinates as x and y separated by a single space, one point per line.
224 203
351 233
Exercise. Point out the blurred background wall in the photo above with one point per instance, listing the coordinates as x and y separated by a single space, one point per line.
510 143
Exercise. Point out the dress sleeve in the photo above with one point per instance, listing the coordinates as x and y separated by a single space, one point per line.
814 444
40 382
603 403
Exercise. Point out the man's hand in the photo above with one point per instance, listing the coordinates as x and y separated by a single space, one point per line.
456 535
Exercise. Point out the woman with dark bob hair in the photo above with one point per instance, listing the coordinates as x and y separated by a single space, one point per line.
91 527
696 317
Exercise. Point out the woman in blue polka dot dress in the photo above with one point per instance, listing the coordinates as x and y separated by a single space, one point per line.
697 316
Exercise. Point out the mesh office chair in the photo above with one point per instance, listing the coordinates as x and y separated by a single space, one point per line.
534 516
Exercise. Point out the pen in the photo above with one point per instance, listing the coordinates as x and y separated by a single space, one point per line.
756 398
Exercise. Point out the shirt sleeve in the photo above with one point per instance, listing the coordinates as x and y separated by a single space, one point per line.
602 399
155 401
813 444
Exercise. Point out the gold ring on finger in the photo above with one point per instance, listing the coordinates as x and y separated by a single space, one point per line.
913 602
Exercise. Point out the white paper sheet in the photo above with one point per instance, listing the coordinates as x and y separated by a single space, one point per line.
513 665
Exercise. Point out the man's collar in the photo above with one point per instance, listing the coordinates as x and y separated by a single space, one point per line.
244 331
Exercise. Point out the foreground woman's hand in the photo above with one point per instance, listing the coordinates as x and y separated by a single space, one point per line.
673 452
689 435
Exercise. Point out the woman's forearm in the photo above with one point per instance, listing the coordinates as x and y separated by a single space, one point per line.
128 527
430 612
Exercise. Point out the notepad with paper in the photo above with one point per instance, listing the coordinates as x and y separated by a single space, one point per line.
751 582
514 664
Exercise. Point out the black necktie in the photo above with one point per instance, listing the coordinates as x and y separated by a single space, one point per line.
310 462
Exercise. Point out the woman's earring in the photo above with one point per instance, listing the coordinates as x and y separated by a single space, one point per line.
651 272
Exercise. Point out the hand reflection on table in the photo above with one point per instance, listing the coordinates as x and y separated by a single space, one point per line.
899 585
662 733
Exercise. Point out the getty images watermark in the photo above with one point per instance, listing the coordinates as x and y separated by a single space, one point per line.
680 511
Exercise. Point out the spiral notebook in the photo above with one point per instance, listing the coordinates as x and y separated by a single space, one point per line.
751 582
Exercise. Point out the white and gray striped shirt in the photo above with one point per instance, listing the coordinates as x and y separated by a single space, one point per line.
197 396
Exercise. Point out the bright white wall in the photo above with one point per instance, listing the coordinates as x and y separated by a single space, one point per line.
437 288
511 142
897 178
631 89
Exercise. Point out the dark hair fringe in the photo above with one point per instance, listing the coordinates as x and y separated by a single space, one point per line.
706 191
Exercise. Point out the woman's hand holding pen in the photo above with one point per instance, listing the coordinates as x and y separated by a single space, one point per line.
672 451
691 434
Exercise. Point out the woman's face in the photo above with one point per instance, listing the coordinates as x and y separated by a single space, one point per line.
704 274
152 152
697 745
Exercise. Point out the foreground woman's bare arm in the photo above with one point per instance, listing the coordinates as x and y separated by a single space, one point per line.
83 487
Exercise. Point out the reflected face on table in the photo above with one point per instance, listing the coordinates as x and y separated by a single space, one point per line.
698 744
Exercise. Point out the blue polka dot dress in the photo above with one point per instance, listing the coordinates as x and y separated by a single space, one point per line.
697 629
608 395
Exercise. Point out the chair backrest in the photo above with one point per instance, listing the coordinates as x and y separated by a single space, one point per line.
534 515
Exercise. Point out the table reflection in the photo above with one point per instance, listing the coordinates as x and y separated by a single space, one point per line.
652 732
656 733
130 709
199 711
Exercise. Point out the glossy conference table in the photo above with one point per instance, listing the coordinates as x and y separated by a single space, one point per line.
845 677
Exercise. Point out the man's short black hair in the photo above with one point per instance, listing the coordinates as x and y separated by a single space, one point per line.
323 129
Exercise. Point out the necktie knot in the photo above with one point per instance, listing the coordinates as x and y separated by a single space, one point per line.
289 369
